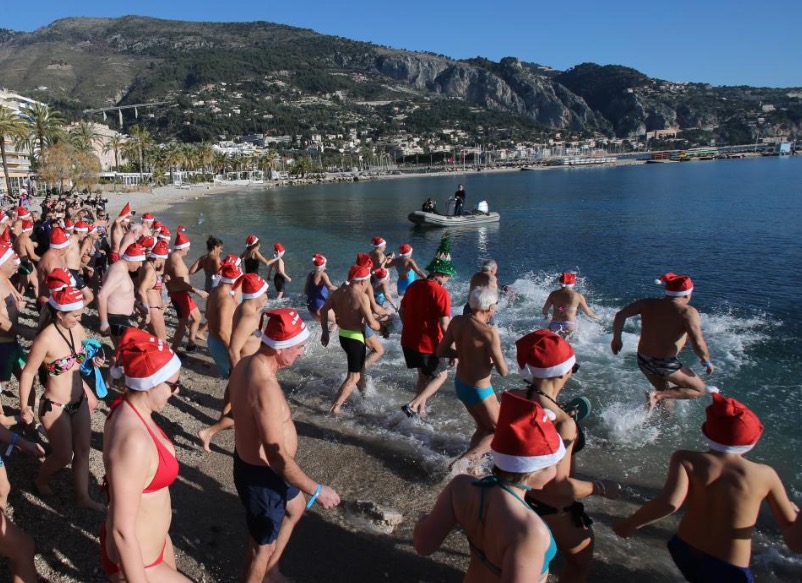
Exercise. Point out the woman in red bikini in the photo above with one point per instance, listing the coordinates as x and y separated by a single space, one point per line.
57 354
140 465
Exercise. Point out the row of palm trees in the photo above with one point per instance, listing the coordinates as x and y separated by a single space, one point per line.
38 128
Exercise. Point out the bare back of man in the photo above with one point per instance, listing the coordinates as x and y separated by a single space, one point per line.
564 305
667 324
220 307
477 348
73 258
179 288
51 259
352 310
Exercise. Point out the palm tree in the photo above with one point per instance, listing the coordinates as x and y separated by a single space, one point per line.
141 141
173 158
115 143
13 127
84 137
205 156
45 125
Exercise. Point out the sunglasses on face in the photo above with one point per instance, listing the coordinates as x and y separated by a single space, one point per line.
174 387
575 368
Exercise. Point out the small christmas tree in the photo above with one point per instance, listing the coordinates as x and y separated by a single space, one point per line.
442 259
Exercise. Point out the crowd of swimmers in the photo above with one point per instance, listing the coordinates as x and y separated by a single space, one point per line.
516 519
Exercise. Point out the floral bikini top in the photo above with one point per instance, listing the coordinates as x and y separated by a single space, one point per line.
65 363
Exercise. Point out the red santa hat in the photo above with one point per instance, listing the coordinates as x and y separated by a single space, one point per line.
147 242
525 439
67 299
126 211
4 218
5 236
278 248
381 274
23 213
568 279
677 286
364 260
59 239
358 273
181 240
6 252
148 218
284 329
543 355
229 273
92 229
135 252
81 227
59 279
405 250
157 224
252 286
318 260
378 242
164 233
68 225
145 360
27 226
730 426
159 251
231 260
251 240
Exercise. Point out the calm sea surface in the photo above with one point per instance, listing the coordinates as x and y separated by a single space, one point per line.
734 226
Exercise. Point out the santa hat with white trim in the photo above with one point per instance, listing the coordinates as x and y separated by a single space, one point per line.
231 260
378 242
229 274
92 229
67 299
59 239
181 240
134 252
125 212
363 260
69 225
381 274
730 426
251 240
148 218
145 360
568 279
278 250
164 233
4 218
358 273
147 242
59 279
405 250
284 329
27 227
252 286
525 439
542 354
81 227
6 252
159 251
23 213
677 286
319 261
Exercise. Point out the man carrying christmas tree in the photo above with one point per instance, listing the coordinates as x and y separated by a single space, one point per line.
425 312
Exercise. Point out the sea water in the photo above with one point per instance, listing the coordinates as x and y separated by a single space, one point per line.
733 226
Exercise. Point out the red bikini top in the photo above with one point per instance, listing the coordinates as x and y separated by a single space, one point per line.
167 471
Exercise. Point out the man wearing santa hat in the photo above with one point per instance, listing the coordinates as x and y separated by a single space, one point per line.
722 493
219 313
115 300
118 230
666 325
180 287
268 479
351 307
565 304
406 267
377 256
26 250
54 258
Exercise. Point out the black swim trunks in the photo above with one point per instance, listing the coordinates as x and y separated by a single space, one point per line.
429 364
79 280
355 349
264 494
278 282
118 323
659 367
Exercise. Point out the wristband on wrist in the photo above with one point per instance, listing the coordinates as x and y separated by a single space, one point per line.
104 323
314 496
599 489
707 363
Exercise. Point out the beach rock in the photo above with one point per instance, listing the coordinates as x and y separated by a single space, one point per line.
379 517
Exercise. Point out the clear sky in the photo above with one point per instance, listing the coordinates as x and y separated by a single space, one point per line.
723 42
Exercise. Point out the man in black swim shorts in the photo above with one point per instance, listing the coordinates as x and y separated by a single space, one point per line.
266 475
666 325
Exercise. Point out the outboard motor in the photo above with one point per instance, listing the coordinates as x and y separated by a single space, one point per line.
452 206
482 207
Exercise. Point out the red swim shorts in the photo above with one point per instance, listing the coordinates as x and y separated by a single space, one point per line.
183 303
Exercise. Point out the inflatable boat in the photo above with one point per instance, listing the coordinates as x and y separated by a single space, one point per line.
481 215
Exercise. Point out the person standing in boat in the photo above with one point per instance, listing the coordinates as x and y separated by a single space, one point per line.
460 202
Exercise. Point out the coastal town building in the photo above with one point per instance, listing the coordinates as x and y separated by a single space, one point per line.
17 159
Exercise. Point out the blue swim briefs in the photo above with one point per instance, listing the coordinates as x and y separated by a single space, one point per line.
471 395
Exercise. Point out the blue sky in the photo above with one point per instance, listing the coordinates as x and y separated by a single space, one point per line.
731 42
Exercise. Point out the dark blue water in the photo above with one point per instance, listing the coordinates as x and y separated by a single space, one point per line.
733 226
